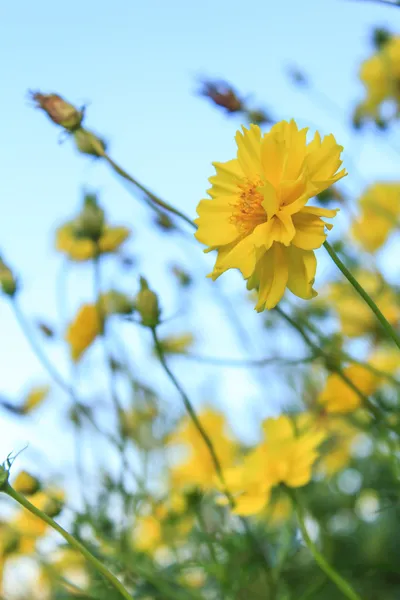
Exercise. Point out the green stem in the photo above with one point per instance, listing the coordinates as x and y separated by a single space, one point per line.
191 411
337 579
70 539
155 200
381 318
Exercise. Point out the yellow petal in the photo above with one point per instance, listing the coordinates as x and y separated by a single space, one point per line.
302 269
249 150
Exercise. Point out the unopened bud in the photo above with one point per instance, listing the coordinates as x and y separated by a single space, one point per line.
259 117
222 94
46 329
26 484
90 221
89 143
58 110
114 302
146 304
4 475
164 222
182 276
380 37
8 283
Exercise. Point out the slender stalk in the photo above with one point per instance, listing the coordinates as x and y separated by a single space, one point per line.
70 539
366 297
333 575
218 468
191 411
155 200
334 368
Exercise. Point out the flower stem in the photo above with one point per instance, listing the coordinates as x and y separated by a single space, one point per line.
155 201
70 539
337 579
381 318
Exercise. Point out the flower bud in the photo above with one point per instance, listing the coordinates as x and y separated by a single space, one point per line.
8 283
26 484
222 94
89 143
90 221
146 304
182 276
116 303
4 474
58 110
380 37
164 222
259 117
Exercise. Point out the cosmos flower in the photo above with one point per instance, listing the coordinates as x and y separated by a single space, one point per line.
257 218
380 208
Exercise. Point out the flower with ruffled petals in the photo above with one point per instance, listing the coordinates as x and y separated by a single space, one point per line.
257 218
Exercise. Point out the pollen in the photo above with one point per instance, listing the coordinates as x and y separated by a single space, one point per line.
248 211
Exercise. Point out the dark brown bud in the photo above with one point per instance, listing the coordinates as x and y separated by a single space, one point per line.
58 110
222 94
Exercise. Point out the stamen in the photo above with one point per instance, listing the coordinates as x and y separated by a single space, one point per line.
248 211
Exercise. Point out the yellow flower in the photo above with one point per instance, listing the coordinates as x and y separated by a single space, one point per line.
198 468
355 316
380 208
25 483
341 436
177 344
148 534
34 398
81 249
83 330
380 75
257 218
338 397
286 455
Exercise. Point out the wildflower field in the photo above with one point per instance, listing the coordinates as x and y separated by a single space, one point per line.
216 411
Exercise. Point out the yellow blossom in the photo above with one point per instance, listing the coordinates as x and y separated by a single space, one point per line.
83 330
380 75
81 249
355 316
177 344
34 398
340 437
380 208
198 467
286 455
257 218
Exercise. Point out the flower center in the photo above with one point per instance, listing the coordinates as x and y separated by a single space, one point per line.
248 211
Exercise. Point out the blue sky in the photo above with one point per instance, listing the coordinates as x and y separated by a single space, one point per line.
136 65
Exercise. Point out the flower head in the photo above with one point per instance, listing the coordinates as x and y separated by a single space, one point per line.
356 318
380 75
80 249
198 468
380 208
257 218
286 455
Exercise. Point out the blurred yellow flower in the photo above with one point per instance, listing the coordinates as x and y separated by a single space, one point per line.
380 209
380 75
148 534
340 437
177 344
198 468
34 398
80 249
257 219
355 316
286 455
26 484
83 330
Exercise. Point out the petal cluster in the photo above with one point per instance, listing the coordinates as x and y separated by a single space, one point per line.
257 218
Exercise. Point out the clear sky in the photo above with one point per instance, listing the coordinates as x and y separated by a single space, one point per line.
136 65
